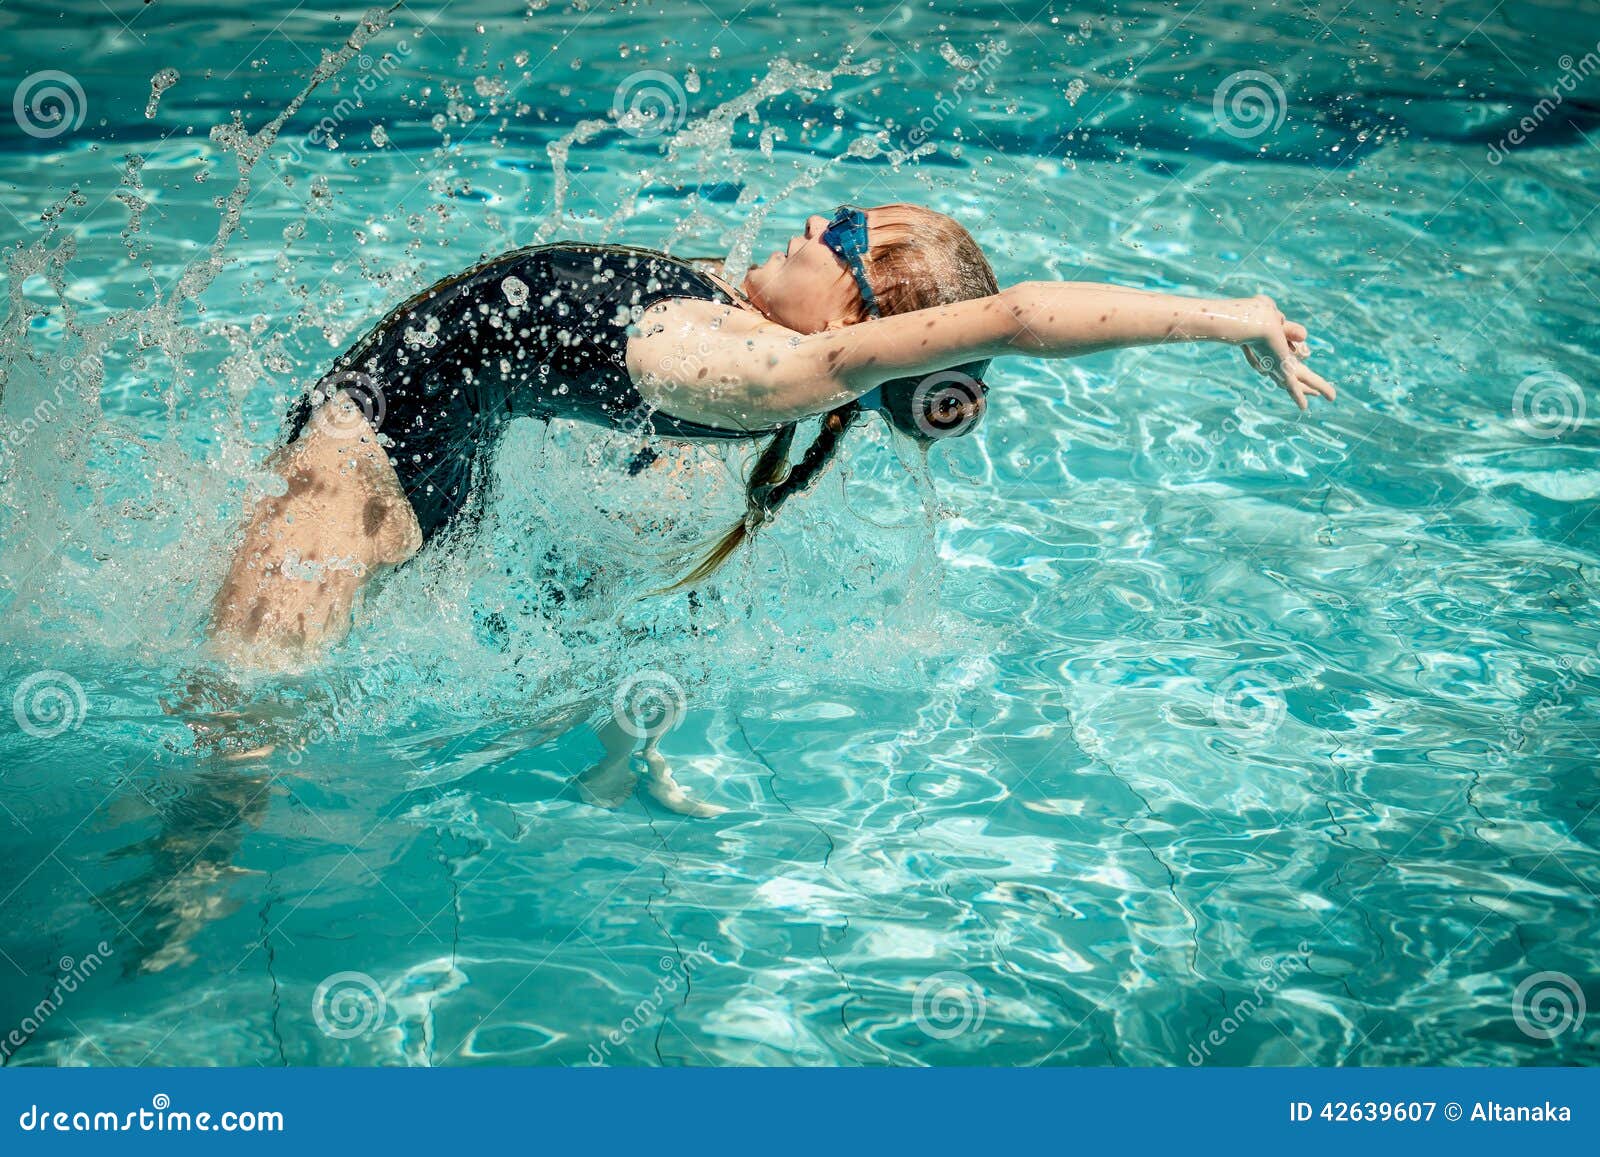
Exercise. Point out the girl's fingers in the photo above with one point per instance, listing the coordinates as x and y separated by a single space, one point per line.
1283 350
1318 383
1283 365
1294 331
1301 349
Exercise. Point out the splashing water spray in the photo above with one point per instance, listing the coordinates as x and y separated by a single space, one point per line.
115 538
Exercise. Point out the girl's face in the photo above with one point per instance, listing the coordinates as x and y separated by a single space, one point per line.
805 286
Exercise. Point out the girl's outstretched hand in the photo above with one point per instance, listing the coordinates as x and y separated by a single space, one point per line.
1277 348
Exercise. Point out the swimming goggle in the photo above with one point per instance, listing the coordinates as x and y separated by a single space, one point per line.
846 236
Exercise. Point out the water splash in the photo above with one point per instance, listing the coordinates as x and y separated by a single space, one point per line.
119 536
707 140
159 83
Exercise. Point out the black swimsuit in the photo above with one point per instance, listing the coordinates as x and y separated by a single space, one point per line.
537 332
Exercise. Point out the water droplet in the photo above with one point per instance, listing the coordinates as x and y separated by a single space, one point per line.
954 58
159 83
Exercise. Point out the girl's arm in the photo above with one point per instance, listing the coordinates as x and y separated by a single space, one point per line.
1063 319
718 364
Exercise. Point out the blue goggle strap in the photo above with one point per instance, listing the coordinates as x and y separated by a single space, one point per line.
846 236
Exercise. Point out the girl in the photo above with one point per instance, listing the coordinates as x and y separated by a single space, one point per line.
865 310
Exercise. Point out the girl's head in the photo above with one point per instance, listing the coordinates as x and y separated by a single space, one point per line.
842 270
864 263
914 258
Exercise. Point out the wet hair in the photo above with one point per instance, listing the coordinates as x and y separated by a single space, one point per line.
920 260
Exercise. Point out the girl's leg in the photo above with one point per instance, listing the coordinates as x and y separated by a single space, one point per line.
611 781
667 791
306 554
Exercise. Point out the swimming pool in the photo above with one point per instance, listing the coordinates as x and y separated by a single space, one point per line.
1155 725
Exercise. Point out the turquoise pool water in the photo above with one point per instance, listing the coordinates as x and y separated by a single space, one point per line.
1154 725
